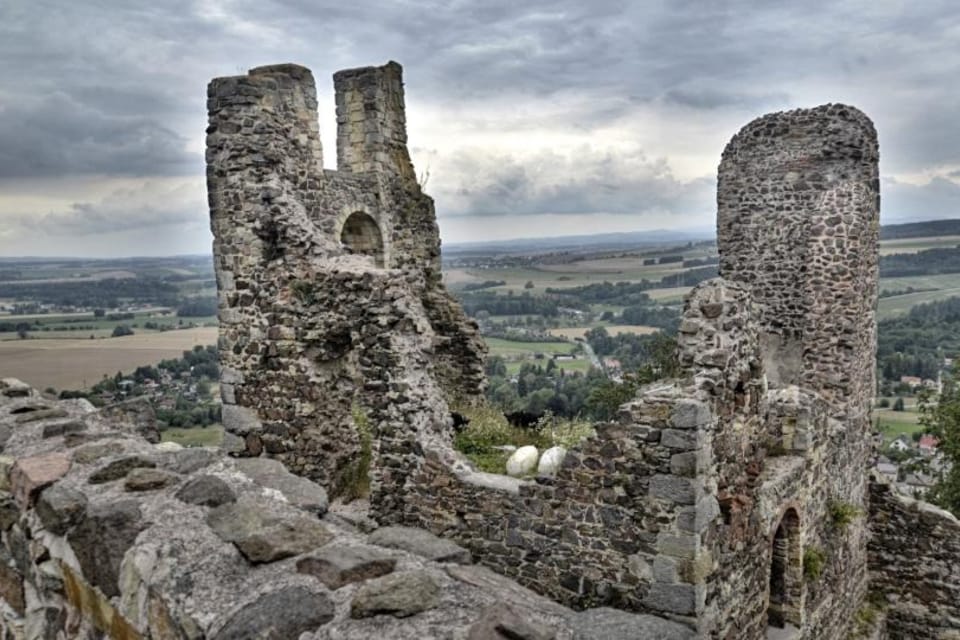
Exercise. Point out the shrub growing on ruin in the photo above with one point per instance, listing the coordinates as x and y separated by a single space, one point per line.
355 478
842 514
814 560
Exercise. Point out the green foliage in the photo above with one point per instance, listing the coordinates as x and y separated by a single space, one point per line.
488 428
915 343
866 617
197 307
354 481
942 419
898 404
121 330
303 291
842 514
814 560
605 398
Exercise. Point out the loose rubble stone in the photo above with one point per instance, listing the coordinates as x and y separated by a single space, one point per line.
300 492
119 469
41 414
62 428
337 565
612 624
94 451
262 536
206 491
523 461
13 388
420 542
60 508
9 511
11 588
399 594
551 460
102 537
30 475
500 622
188 460
146 479
279 615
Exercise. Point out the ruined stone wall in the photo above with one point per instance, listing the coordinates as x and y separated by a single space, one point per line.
701 501
303 314
104 534
914 565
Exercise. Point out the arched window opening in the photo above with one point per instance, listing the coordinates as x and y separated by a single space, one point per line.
786 576
361 235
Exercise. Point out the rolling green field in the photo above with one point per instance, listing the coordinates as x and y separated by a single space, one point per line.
210 436
508 348
581 365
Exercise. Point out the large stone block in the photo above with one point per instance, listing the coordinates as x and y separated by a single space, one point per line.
30 475
674 488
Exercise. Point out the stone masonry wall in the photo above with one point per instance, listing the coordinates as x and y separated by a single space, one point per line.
914 565
798 211
104 534
301 315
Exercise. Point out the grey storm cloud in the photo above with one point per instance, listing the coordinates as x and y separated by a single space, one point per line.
148 205
116 88
55 135
903 202
585 181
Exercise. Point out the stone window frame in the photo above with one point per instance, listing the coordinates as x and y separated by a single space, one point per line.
345 214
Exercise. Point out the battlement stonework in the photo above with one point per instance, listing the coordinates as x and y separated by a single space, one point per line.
711 501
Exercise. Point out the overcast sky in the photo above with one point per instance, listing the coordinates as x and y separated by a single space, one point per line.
533 118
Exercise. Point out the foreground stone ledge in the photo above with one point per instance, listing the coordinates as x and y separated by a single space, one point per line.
183 544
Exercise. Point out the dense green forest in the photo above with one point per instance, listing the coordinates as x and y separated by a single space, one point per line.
916 343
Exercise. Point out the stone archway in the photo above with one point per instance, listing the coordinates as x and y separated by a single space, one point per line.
786 574
361 235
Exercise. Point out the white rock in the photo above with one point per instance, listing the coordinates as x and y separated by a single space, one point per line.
523 461
168 446
550 460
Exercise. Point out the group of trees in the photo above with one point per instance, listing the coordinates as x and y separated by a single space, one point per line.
546 387
942 419
916 343
105 293
922 263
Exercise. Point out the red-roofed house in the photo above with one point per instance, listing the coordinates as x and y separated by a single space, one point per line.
928 444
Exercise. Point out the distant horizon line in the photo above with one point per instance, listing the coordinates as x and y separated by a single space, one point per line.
696 232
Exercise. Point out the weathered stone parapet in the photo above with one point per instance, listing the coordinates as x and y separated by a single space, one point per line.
135 540
914 564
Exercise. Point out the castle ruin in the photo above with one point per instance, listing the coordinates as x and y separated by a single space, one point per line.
733 502
701 503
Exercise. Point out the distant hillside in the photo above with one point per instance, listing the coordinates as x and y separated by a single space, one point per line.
928 229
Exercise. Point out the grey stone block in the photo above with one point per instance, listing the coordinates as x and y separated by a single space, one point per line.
239 420
673 488
681 599
695 519
690 414
687 439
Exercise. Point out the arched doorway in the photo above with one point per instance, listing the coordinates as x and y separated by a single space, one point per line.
361 235
786 574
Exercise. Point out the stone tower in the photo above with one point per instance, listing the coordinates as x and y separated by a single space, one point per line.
312 265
